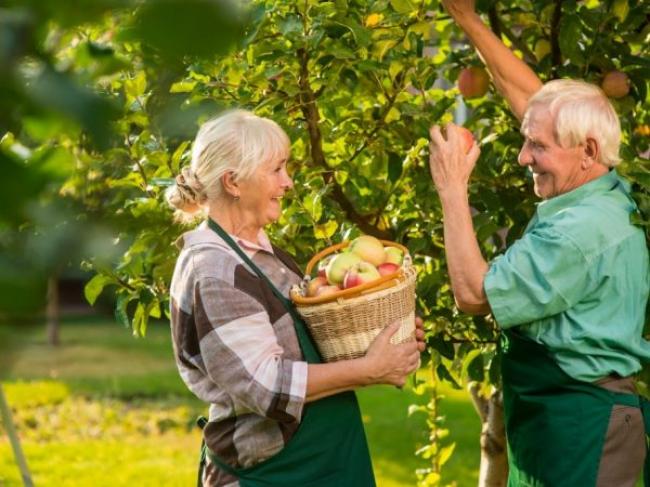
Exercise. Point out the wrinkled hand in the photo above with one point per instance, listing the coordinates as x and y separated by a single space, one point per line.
419 334
450 166
388 363
459 8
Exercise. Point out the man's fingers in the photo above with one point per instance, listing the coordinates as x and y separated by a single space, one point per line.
436 136
474 152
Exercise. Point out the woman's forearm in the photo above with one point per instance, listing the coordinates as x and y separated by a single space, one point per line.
328 379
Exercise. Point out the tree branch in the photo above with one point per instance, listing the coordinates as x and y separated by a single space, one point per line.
309 110
499 28
556 54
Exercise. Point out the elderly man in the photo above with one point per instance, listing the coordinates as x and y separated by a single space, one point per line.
570 295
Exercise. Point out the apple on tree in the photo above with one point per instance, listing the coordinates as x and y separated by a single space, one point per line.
473 82
616 84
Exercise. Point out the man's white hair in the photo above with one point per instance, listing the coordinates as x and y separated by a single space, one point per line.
580 111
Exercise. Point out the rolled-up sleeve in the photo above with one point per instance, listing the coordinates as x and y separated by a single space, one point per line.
540 275
241 353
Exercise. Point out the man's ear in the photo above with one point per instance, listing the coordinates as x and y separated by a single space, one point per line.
230 184
590 153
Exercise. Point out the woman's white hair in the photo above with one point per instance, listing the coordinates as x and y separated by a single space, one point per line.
236 141
580 111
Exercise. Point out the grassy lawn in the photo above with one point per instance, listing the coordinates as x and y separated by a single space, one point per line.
106 409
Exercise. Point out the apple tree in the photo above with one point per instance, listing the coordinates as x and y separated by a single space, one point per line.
356 85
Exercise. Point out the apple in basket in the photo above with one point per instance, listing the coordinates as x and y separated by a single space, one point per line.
394 255
360 273
315 285
339 265
387 268
327 290
322 265
369 249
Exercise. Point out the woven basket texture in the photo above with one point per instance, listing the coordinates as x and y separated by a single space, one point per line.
344 329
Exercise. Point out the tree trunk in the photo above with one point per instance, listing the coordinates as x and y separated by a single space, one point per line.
494 455
52 310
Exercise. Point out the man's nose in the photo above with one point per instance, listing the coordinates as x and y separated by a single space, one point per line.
524 158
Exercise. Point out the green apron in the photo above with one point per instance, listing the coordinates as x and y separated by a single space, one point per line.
555 425
328 449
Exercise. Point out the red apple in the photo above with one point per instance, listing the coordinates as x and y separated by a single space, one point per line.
387 268
315 284
322 265
360 273
473 82
369 249
466 136
327 290
616 84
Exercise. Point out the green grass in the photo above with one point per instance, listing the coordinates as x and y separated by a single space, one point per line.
105 408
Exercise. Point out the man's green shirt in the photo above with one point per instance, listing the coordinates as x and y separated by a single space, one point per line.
577 281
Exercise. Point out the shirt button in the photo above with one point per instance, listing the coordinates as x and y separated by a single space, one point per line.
282 270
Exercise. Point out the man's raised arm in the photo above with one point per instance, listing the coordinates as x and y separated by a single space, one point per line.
512 76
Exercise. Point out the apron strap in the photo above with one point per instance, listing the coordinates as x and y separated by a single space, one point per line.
645 410
201 422
307 346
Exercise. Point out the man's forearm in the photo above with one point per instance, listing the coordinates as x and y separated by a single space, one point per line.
467 268
512 76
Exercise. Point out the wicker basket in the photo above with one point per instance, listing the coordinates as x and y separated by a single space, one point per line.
345 323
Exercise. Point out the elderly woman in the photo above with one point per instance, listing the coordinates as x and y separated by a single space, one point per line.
278 417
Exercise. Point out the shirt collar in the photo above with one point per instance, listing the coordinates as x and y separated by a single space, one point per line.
203 234
600 185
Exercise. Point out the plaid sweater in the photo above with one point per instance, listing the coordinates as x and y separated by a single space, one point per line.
236 348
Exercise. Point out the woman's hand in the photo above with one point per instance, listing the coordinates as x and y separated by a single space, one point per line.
391 364
419 334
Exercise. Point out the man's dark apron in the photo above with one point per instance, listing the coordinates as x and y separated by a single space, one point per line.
328 449
555 425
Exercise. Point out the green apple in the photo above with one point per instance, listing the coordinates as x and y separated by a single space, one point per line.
394 255
369 248
339 265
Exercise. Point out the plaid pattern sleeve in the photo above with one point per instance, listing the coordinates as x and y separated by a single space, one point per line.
236 348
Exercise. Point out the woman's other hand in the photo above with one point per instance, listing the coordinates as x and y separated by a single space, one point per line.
391 364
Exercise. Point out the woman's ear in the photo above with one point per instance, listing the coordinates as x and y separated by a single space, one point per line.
591 153
230 184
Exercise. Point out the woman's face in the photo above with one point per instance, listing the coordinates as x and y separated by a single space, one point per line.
261 194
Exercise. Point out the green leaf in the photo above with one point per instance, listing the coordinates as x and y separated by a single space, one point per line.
394 167
445 454
444 374
621 9
443 347
570 35
121 306
94 287
325 230
402 6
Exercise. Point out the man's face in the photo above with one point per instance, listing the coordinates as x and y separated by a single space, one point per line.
556 170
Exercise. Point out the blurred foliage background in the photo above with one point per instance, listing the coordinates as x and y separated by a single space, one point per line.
100 99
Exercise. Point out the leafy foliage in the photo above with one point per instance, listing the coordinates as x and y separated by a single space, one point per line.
103 101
